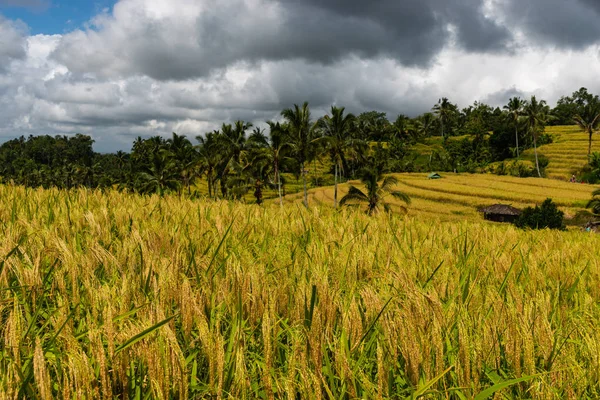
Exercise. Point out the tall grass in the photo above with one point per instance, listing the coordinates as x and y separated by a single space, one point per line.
115 295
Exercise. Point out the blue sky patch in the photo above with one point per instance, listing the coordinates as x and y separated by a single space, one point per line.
55 16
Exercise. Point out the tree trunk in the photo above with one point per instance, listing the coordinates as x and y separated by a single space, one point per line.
537 163
335 190
590 144
278 179
304 184
517 140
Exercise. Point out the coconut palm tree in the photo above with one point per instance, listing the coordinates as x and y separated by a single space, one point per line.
594 203
376 192
301 138
444 110
337 139
588 119
276 148
535 113
161 176
514 109
210 157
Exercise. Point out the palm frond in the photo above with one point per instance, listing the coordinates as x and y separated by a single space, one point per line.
354 194
389 182
594 204
401 196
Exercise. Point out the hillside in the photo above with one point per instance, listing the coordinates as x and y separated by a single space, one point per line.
567 153
458 196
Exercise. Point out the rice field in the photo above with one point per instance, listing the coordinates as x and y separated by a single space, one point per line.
567 153
459 196
112 295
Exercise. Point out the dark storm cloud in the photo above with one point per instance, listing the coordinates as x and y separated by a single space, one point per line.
324 32
571 24
500 98
415 30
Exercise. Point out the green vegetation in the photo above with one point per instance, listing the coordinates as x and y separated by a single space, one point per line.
541 217
241 163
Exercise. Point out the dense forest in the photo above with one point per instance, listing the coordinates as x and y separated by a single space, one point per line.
240 159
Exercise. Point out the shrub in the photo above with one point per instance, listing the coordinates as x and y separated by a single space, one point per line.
590 173
543 161
541 217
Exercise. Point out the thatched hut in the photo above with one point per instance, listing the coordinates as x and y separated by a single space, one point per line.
501 213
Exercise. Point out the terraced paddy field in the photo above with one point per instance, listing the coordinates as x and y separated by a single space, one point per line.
567 153
458 196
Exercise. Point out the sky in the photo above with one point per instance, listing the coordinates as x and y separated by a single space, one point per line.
118 69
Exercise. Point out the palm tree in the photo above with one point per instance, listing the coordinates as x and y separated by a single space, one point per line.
535 117
515 109
185 158
594 203
301 135
424 125
588 119
337 137
444 110
376 192
210 157
275 147
161 175
234 138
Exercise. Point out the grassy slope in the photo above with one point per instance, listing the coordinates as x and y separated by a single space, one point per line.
458 196
568 152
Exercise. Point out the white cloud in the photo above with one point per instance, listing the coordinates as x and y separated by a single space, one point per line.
152 67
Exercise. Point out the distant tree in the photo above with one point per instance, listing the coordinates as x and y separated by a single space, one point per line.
301 138
425 124
376 192
276 148
587 118
541 217
514 108
186 159
445 112
594 203
161 176
209 158
338 141
535 113
373 126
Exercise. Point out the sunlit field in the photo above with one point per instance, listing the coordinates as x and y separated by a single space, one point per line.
122 296
567 153
459 196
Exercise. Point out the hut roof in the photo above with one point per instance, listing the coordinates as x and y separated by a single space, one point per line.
435 175
501 209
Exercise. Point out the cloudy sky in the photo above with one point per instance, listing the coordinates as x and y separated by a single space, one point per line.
119 69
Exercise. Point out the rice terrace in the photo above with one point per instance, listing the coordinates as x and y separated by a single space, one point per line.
276 199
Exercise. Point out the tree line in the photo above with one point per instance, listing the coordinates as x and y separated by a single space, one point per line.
240 159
